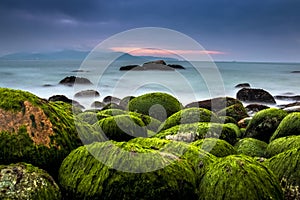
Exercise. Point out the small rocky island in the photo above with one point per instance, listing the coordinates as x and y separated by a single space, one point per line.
160 65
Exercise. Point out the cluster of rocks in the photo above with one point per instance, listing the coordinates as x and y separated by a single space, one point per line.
152 65
147 147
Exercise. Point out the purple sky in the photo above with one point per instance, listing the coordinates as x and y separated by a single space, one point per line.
245 30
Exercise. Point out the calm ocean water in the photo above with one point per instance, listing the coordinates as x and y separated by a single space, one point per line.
198 82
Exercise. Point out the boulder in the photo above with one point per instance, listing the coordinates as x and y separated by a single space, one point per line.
71 80
34 130
282 144
129 67
239 177
242 85
97 104
176 66
255 95
87 93
65 99
264 123
292 109
254 108
236 111
25 181
111 99
124 102
288 97
289 105
251 147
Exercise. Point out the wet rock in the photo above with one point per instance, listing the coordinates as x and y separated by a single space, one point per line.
97 104
255 95
254 108
129 67
111 99
288 98
236 111
65 99
124 102
242 85
87 93
292 109
71 80
251 147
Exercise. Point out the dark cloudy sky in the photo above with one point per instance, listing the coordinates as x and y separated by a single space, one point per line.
256 30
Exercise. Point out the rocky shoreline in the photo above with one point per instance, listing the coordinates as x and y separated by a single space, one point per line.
149 147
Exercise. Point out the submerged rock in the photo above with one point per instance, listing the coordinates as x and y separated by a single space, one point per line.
71 80
255 95
34 130
239 177
24 181
87 93
242 85
157 105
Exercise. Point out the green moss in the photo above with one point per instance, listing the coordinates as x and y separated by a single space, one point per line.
200 130
189 116
112 112
217 147
88 117
282 144
121 127
81 176
24 181
150 143
251 147
227 119
287 168
239 177
87 133
290 125
161 105
236 111
264 123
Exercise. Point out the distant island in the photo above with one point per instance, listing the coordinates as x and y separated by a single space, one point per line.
152 65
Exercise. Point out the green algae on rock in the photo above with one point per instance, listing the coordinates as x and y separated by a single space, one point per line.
251 147
236 111
217 147
264 123
200 130
150 122
35 131
24 181
88 117
239 177
157 105
287 168
189 116
290 125
121 127
118 174
282 144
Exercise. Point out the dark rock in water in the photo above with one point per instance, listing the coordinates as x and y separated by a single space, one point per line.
48 85
71 80
255 95
129 67
288 98
66 100
292 109
159 62
176 66
289 105
24 181
215 104
97 104
254 108
87 93
34 130
295 72
80 70
242 85
111 99
124 102
112 106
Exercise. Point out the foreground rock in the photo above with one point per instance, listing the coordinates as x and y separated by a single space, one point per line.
24 181
34 130
239 177
255 95
71 80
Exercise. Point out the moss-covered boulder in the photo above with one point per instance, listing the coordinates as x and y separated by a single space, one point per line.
282 144
88 117
264 123
157 105
24 181
150 122
251 147
189 116
217 147
124 102
239 177
290 125
121 127
200 130
236 111
286 166
227 119
35 131
88 133
112 112
125 171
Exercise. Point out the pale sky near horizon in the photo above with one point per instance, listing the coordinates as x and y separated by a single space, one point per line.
248 30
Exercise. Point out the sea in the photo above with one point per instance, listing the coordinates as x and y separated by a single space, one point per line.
198 81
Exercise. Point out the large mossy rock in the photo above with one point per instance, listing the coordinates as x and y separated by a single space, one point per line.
290 125
239 177
24 181
121 127
236 111
264 123
287 168
251 147
88 117
125 171
150 122
200 130
282 144
189 116
157 105
217 147
35 131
